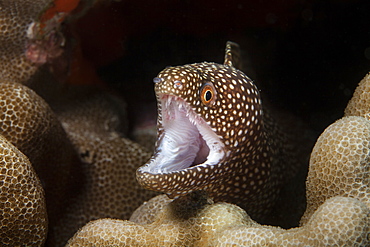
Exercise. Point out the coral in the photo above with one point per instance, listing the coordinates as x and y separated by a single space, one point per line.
339 221
359 105
95 124
146 213
78 171
15 19
28 123
88 172
339 164
23 217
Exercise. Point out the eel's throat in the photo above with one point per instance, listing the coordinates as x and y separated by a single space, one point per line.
185 141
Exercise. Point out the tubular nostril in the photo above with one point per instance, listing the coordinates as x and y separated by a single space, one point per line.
157 80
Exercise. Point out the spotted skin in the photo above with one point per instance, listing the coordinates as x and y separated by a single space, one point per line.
232 55
247 173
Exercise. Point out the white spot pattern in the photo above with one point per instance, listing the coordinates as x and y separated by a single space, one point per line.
236 117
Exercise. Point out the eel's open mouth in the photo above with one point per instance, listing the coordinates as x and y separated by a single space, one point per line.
186 141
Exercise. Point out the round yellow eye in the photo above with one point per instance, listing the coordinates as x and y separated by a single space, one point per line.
208 94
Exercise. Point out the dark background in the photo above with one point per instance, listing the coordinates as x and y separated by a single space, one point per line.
306 57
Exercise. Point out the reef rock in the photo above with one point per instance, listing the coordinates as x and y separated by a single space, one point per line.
23 217
95 123
339 164
197 222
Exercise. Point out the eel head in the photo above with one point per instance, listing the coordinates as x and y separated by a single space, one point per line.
209 117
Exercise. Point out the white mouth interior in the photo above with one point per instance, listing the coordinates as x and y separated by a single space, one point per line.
187 140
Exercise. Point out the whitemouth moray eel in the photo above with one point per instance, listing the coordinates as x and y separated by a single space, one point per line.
213 136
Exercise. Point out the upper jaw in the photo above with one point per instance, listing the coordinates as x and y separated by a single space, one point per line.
186 140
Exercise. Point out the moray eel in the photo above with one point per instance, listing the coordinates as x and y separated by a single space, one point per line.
212 136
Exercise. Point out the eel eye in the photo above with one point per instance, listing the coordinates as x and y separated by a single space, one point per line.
208 94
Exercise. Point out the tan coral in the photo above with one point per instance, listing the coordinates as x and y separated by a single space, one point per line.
146 213
339 164
108 188
341 221
359 105
105 184
23 218
180 223
15 19
28 123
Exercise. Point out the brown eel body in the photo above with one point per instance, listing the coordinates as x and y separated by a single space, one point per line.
214 136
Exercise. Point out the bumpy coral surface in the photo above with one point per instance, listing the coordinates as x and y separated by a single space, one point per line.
15 19
180 223
340 221
86 175
339 164
108 187
100 181
359 105
147 212
28 123
23 218
88 172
